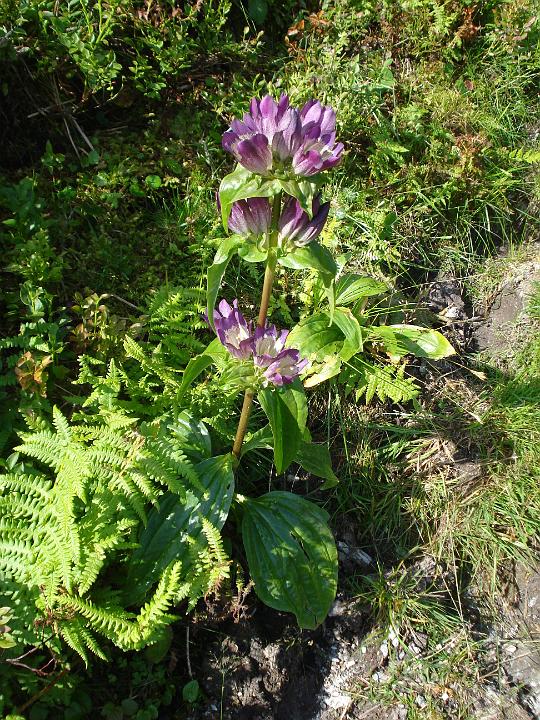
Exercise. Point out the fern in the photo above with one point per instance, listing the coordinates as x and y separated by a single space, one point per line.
386 382
69 520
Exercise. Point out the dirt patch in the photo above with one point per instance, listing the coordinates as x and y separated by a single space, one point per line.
508 307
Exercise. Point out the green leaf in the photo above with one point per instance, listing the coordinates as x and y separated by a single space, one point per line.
320 372
175 528
190 691
216 271
314 257
153 181
315 338
213 353
242 184
351 287
291 555
263 439
351 329
304 191
315 458
402 340
251 253
193 435
286 409
258 10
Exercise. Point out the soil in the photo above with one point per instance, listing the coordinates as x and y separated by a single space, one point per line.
265 668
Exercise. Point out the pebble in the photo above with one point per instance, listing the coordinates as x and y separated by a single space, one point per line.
510 649
421 701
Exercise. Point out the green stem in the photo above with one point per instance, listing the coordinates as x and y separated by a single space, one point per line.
269 275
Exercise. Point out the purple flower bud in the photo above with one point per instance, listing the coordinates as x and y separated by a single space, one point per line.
295 226
276 133
233 331
251 217
285 367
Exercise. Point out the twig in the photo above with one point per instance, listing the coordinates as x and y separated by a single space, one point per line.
42 692
188 661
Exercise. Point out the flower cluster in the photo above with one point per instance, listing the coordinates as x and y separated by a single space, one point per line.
266 346
253 218
274 137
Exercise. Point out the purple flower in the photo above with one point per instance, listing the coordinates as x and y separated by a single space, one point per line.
274 133
251 217
232 330
281 365
267 344
294 225
285 367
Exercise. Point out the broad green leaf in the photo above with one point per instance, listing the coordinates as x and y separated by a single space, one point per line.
242 184
251 253
320 372
291 555
193 435
216 271
174 530
402 340
213 353
304 191
351 287
315 338
315 257
263 439
315 458
286 409
350 327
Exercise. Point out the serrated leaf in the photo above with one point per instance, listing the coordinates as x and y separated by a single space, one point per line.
176 526
286 409
263 439
291 555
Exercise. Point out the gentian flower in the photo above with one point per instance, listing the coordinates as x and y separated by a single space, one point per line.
233 331
251 217
294 225
286 366
281 365
274 136
267 344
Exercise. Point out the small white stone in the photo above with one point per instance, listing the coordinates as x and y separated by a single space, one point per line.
337 701
532 601
384 650
445 697
421 701
363 649
395 642
350 663
510 649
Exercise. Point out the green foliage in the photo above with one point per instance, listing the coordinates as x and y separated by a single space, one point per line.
292 555
110 45
64 527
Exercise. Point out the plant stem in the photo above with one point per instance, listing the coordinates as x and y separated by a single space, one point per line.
269 275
